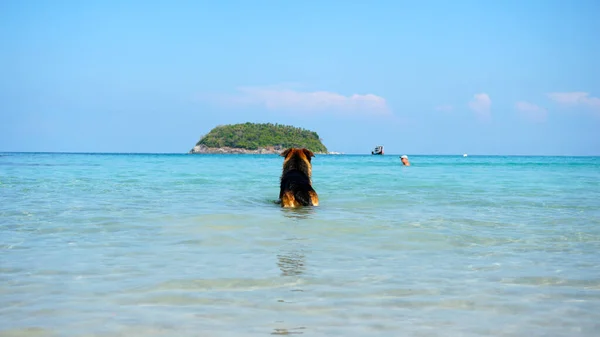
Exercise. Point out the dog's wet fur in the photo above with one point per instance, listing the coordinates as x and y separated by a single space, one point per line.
296 184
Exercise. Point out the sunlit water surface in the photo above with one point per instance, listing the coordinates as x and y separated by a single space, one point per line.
193 245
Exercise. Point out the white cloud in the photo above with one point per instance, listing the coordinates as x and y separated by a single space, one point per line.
285 99
532 112
444 108
481 105
582 99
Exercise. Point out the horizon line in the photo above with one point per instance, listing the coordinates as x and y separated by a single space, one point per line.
328 154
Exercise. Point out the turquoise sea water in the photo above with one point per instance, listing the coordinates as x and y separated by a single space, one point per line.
193 245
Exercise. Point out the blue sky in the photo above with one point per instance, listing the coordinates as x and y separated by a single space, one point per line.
420 77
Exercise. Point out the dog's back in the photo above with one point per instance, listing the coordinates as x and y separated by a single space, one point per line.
296 186
296 190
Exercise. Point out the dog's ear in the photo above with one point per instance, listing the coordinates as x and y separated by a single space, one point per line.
308 153
286 152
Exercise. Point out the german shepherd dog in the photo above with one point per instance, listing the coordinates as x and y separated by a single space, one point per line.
296 184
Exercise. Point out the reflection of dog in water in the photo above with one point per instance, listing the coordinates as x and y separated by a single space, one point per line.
291 263
296 185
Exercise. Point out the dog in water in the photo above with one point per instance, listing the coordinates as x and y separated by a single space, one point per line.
296 184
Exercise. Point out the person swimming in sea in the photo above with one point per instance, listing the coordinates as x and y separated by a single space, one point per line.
404 160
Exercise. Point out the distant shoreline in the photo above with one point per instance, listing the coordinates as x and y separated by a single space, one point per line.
202 149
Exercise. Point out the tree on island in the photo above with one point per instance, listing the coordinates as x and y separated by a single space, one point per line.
252 136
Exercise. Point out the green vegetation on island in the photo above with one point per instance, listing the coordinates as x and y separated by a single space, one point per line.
253 136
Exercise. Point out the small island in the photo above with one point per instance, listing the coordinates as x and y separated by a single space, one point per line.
253 138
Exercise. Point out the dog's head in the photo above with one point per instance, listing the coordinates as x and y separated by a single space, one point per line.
297 159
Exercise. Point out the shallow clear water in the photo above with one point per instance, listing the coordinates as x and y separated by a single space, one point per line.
193 245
